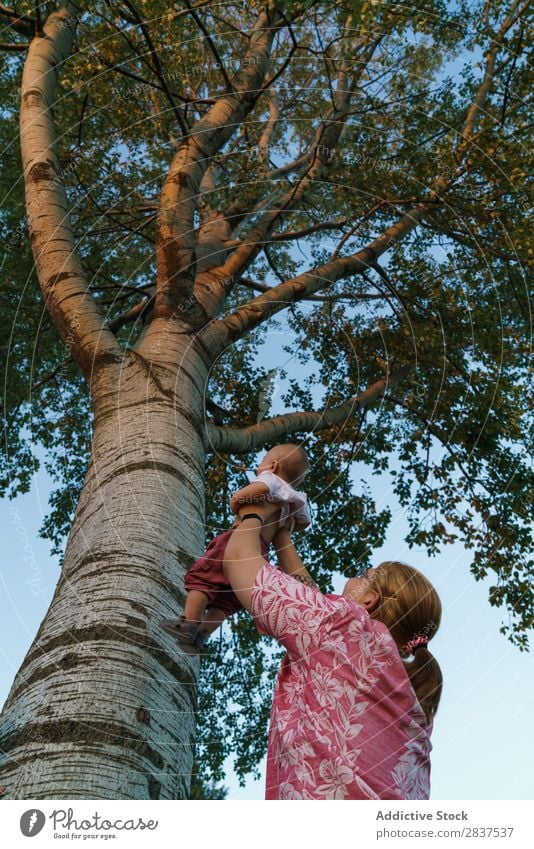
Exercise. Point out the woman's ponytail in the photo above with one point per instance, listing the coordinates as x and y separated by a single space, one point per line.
425 675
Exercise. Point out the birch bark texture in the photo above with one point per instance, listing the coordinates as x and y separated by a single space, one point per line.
103 706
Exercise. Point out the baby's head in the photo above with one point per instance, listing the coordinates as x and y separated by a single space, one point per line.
289 461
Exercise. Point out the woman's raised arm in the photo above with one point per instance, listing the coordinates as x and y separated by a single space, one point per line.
243 558
289 558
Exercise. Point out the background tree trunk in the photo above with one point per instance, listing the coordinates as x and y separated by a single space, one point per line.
104 703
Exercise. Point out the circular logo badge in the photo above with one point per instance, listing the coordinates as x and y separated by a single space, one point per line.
31 822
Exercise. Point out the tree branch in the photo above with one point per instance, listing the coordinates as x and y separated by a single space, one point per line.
470 240
59 269
13 46
355 227
353 296
22 24
130 315
288 235
235 325
243 440
175 240
139 79
306 231
268 130
314 157
200 24
325 140
157 65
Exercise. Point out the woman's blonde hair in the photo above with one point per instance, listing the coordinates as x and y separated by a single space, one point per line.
410 607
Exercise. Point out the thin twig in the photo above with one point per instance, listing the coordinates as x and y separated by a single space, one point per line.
212 47
14 47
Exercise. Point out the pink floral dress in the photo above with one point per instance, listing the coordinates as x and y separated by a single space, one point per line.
345 720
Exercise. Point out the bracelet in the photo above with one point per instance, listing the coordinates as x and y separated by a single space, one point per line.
251 516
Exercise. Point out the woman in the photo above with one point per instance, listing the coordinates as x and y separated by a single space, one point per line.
350 719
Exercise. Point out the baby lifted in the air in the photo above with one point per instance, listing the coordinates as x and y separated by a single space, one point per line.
210 598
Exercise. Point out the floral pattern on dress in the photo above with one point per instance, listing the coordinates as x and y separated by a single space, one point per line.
408 775
345 720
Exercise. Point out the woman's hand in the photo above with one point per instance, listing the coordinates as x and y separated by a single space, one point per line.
288 557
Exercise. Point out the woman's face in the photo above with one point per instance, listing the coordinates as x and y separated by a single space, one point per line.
361 590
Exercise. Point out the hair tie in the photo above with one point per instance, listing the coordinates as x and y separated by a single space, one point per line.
414 644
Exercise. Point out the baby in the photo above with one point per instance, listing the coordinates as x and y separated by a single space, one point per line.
210 598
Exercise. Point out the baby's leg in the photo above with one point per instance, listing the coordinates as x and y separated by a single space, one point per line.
213 617
195 605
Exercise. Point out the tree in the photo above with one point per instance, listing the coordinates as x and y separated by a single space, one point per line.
193 172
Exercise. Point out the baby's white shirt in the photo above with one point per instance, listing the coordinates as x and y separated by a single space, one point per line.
280 491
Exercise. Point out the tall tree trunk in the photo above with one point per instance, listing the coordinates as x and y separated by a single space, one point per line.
104 703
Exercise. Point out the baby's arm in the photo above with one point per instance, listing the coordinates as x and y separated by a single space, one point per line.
253 493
